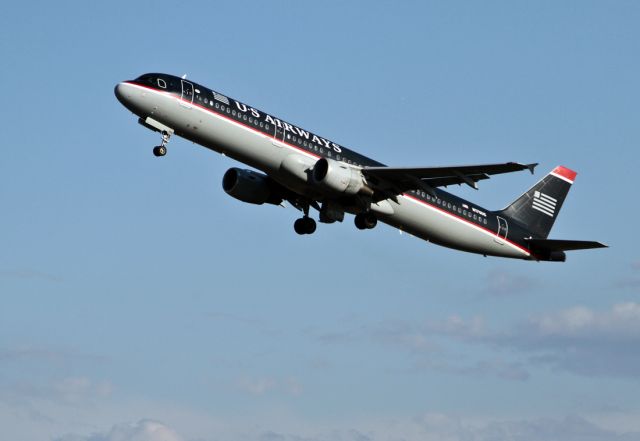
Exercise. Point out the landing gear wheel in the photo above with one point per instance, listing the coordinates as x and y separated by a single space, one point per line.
304 225
365 221
310 225
160 150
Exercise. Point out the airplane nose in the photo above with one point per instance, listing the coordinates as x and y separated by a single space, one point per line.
121 92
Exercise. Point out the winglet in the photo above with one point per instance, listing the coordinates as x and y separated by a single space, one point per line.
564 173
532 167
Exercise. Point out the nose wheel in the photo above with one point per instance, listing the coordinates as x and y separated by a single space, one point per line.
304 225
161 149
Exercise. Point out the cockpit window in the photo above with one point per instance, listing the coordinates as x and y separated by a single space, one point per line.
162 83
147 79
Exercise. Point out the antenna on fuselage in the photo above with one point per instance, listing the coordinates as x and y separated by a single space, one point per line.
184 76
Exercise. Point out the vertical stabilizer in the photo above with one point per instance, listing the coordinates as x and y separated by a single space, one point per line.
538 208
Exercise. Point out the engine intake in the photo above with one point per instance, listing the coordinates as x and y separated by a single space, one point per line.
250 186
337 177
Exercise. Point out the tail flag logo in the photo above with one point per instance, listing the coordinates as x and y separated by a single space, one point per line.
544 203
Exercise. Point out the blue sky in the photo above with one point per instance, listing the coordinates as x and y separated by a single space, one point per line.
140 302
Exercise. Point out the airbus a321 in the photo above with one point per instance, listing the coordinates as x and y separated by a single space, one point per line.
310 171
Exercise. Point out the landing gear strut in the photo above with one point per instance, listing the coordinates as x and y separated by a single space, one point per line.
161 149
365 221
304 225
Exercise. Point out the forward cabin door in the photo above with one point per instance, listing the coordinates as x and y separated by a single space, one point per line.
278 136
503 229
187 94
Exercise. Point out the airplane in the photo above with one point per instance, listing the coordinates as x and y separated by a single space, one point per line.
310 171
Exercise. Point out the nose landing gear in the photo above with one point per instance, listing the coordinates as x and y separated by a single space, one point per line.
161 149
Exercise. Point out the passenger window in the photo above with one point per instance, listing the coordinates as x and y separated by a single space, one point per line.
217 105
162 83
266 126
233 112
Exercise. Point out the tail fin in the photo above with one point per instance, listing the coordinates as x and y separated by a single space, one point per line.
538 208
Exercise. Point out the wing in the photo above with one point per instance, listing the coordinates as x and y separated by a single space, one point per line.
396 180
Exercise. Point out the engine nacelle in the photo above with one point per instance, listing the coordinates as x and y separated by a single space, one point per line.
250 186
337 177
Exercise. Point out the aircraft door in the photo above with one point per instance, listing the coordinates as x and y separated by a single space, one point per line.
278 136
503 229
187 94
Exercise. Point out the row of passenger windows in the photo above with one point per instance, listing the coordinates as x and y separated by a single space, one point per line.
312 147
452 207
258 123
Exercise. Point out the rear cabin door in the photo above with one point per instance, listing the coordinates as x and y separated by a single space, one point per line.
503 229
187 94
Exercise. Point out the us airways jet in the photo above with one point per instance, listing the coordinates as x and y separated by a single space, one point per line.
310 171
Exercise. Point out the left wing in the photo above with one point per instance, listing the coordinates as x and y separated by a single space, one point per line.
396 180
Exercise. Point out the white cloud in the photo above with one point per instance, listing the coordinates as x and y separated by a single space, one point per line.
503 283
621 322
29 274
261 386
257 386
580 340
143 430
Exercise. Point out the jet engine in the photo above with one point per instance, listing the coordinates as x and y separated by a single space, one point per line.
250 186
338 177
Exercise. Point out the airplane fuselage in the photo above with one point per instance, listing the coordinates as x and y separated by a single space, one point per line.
286 153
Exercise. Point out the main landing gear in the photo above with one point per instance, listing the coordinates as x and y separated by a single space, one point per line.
304 225
161 149
365 221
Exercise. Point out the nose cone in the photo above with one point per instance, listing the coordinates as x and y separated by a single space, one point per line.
123 92
128 96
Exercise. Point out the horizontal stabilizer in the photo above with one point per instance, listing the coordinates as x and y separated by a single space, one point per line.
550 245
